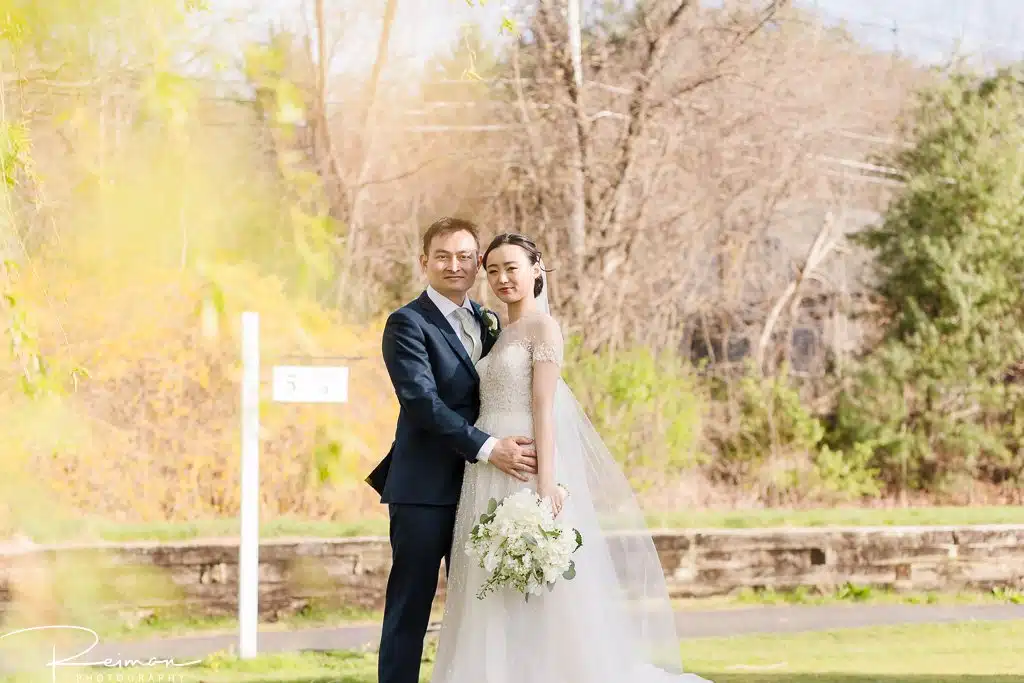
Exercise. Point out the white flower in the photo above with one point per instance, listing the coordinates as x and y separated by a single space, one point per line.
490 319
491 561
521 546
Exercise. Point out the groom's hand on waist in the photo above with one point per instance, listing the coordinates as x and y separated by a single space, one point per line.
516 456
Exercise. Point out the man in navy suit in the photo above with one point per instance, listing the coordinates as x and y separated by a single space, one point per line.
430 346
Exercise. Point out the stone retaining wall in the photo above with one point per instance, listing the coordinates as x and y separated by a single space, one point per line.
202 575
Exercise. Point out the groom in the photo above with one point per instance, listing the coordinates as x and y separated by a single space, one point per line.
430 347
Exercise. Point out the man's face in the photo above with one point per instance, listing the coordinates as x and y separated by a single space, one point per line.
451 264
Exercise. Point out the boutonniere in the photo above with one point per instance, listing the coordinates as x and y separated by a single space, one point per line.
490 320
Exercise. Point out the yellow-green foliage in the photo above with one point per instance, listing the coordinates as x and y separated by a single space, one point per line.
152 430
648 407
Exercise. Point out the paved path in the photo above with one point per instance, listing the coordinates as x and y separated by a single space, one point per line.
692 624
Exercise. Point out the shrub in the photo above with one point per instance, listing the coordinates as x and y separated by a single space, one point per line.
156 413
648 408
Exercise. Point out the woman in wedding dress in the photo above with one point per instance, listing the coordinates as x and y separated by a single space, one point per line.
613 622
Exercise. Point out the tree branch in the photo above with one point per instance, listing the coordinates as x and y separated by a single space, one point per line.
819 250
534 145
610 203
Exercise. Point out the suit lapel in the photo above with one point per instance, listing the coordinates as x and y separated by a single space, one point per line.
441 323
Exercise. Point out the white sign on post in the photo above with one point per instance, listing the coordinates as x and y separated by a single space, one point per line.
291 384
299 384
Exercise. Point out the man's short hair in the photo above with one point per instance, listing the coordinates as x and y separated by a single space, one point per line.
447 226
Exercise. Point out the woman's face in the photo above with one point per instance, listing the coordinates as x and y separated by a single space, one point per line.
510 273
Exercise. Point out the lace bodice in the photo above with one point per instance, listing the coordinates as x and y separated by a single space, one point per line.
506 373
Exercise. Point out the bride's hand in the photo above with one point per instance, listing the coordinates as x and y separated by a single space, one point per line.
557 495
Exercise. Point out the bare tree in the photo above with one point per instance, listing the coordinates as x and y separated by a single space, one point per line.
822 246
699 138
613 147
362 162
329 163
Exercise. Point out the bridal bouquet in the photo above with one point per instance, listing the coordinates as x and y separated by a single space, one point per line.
522 546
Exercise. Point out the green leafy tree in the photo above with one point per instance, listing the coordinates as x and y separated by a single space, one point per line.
941 401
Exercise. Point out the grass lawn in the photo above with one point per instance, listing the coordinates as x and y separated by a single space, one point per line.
742 519
942 653
179 624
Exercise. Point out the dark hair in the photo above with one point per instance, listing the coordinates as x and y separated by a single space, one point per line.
447 226
525 243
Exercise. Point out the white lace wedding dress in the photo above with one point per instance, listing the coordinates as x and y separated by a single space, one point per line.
613 622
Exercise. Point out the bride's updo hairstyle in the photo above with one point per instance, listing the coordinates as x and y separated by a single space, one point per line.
527 245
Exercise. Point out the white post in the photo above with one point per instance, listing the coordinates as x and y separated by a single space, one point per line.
249 546
576 41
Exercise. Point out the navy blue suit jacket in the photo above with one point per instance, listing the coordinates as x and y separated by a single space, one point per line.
438 395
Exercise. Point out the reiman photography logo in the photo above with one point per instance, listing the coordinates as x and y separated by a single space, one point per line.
157 669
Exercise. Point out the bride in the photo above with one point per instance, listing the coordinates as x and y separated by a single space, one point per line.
613 623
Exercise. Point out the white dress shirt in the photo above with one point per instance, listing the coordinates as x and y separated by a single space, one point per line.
448 308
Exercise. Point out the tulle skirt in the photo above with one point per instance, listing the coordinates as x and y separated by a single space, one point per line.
585 630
